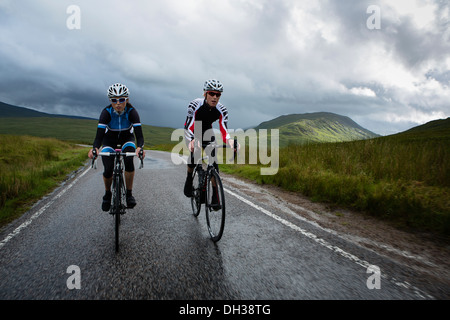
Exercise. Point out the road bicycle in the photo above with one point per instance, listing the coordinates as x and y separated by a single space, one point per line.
207 188
118 189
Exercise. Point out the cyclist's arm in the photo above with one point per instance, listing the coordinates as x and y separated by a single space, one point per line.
137 127
190 120
189 123
104 119
223 123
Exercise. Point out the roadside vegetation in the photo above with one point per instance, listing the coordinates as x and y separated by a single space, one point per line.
403 178
30 167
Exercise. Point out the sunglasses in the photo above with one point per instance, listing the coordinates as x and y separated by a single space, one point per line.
214 94
120 100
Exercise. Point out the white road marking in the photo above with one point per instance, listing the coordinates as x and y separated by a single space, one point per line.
327 245
40 211
324 243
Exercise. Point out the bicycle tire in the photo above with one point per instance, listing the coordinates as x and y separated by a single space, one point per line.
117 206
195 199
215 218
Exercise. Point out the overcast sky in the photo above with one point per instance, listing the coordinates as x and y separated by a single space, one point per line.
383 63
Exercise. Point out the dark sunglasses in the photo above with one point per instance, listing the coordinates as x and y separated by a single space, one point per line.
120 100
213 94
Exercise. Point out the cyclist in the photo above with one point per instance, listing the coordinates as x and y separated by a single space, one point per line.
118 124
207 110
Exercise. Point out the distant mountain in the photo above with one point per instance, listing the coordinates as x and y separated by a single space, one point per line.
10 111
316 127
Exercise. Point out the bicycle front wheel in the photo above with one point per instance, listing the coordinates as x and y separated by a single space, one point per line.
195 198
215 206
117 210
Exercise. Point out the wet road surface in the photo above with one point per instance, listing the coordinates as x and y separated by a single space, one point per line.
165 252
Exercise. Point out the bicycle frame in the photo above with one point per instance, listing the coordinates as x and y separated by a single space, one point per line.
210 187
118 185
118 188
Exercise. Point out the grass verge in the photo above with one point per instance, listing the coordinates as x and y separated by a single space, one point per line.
403 180
30 168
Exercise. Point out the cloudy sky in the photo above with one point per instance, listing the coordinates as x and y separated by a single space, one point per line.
384 63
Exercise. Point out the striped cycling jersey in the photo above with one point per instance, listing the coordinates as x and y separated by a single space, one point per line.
199 110
114 128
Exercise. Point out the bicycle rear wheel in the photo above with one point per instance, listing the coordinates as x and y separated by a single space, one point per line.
215 206
195 199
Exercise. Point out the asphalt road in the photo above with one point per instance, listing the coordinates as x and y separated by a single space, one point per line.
166 253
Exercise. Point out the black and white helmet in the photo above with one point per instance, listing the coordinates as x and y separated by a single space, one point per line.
213 85
118 90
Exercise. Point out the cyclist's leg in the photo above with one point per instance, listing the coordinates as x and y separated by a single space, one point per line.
129 173
215 198
216 166
108 167
129 165
188 182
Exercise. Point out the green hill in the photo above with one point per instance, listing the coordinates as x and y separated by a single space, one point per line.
402 178
436 129
316 127
24 121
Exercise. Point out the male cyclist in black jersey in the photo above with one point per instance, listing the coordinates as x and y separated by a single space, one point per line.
118 124
207 110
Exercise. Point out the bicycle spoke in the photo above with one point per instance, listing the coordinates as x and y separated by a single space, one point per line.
195 199
215 206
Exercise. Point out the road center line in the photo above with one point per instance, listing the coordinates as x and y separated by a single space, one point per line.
40 211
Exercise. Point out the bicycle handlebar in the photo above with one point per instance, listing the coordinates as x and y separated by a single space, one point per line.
113 154
110 154
213 144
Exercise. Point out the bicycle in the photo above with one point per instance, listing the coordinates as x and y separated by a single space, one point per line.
118 190
208 189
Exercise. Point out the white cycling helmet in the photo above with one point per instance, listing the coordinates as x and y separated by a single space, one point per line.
213 85
118 90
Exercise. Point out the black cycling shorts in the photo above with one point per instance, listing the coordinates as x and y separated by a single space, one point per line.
108 162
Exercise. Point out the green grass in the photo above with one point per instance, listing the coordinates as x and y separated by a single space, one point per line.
74 130
31 167
403 178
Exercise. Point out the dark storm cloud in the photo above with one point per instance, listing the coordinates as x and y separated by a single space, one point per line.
274 58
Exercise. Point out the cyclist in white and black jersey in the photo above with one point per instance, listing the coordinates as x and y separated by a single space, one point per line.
207 110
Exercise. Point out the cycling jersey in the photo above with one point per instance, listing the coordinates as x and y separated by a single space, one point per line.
114 128
199 110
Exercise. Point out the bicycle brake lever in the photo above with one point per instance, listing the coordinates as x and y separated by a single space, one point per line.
141 157
94 163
